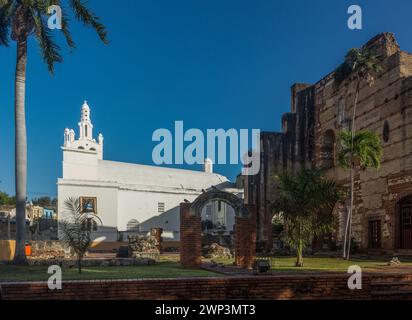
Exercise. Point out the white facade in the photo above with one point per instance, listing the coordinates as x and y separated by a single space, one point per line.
129 195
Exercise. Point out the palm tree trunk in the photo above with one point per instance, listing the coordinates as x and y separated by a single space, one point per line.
348 230
8 228
299 254
349 222
299 249
79 263
20 151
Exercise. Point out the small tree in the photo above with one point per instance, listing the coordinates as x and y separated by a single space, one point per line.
305 199
76 231
361 150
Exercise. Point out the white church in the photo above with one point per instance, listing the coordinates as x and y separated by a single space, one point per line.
133 198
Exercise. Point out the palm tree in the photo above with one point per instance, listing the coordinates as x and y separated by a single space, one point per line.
76 231
305 200
359 66
361 150
20 19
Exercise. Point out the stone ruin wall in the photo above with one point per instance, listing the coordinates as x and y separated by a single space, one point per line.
316 113
388 99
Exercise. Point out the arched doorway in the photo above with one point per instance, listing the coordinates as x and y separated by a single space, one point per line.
404 212
191 230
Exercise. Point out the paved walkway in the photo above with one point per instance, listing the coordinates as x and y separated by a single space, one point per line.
235 271
226 269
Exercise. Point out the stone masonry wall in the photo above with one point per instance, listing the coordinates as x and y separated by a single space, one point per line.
310 138
387 103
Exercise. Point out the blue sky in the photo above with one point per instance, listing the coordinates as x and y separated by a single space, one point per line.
211 63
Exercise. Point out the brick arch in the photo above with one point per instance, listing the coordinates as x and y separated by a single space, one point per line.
191 231
218 195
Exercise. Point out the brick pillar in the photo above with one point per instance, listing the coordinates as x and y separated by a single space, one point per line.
190 238
245 239
157 233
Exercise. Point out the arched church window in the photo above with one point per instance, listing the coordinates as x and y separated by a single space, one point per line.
328 149
81 148
92 149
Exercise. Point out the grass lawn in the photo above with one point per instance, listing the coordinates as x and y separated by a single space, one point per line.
160 270
169 267
322 264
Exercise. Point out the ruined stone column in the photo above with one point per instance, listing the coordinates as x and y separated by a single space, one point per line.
157 233
190 238
245 239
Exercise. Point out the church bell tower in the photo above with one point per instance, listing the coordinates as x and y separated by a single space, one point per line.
85 125
85 143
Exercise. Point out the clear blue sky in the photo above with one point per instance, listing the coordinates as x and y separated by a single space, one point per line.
211 63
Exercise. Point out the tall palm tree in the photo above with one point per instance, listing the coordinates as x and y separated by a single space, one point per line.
20 19
305 199
361 150
359 66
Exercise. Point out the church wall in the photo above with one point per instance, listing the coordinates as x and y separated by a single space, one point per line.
143 206
79 165
106 206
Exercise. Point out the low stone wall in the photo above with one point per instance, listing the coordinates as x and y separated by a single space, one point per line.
47 249
258 287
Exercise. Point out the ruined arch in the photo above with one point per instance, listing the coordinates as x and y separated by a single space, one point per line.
190 228
217 195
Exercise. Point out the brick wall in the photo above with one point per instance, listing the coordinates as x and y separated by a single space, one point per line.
258 287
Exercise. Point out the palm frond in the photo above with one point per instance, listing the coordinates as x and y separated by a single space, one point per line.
66 30
300 196
73 229
359 62
85 15
366 148
49 49
7 9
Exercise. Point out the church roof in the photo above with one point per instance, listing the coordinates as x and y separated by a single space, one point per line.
156 176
